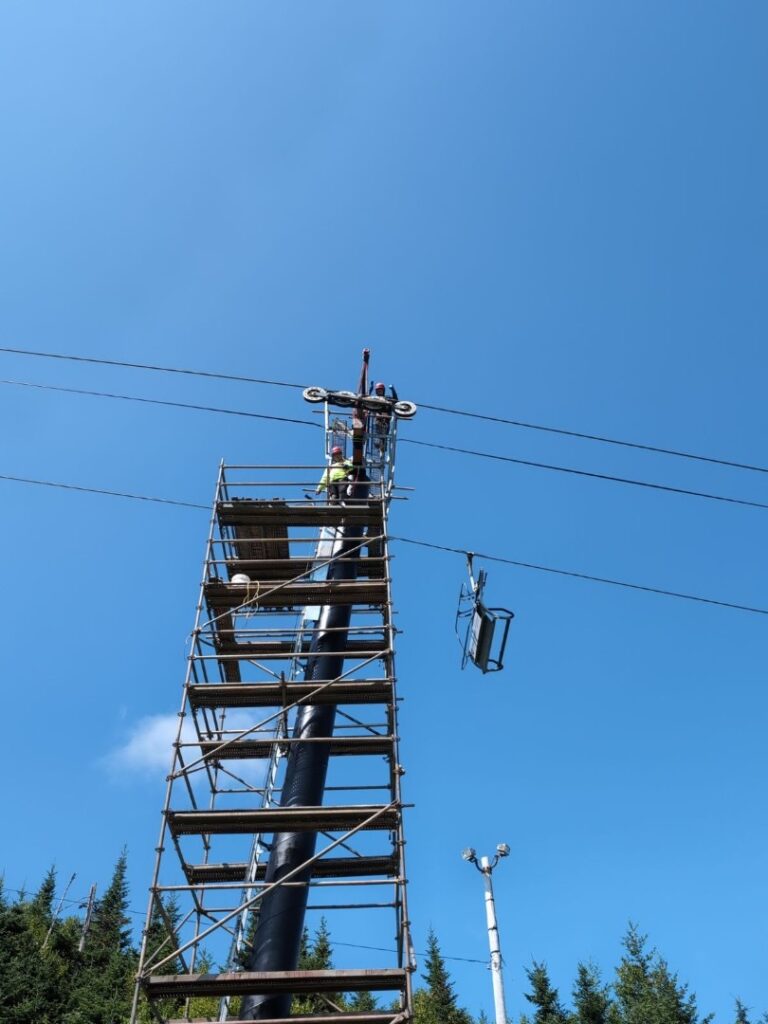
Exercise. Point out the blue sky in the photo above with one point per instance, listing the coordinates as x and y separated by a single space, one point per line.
554 212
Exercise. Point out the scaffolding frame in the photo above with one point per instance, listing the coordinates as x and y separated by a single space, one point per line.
243 685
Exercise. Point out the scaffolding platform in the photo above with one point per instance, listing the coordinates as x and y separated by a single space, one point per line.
284 819
275 570
237 983
294 594
267 695
283 649
340 746
327 867
248 515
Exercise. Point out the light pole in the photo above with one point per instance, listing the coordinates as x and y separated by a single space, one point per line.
485 867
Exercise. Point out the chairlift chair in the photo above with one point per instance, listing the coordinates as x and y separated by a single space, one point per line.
481 643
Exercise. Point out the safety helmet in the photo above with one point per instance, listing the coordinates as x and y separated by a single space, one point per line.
337 450
379 386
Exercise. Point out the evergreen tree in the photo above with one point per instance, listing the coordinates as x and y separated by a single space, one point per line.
162 939
646 991
437 1003
362 1002
35 976
42 904
544 997
742 1015
591 999
316 956
162 935
103 989
320 956
206 1007
21 981
110 929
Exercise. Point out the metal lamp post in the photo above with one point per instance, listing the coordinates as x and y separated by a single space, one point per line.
485 866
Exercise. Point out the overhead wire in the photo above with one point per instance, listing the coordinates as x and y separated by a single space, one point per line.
570 470
150 366
507 421
161 401
585 576
585 473
101 490
136 912
676 452
425 544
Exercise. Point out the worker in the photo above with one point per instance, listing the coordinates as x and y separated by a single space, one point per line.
336 475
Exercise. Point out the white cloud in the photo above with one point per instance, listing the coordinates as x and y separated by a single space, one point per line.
148 747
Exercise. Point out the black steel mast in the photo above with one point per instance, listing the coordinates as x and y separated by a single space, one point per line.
277 938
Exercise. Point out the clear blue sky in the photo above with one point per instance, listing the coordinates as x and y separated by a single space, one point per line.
546 210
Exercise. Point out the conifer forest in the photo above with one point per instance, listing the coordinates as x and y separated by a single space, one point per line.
55 969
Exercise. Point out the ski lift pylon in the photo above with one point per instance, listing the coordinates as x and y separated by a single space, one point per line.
481 644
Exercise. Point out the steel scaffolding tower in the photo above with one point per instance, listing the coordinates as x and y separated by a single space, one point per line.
290 690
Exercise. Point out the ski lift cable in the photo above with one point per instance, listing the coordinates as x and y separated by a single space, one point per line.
586 473
502 420
150 366
161 401
585 576
101 490
658 450
570 470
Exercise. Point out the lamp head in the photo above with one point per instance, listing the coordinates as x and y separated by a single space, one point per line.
469 855
502 849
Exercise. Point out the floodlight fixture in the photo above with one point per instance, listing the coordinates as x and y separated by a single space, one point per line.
469 855
502 849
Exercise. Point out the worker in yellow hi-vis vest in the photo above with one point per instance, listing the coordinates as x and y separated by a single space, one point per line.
335 478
